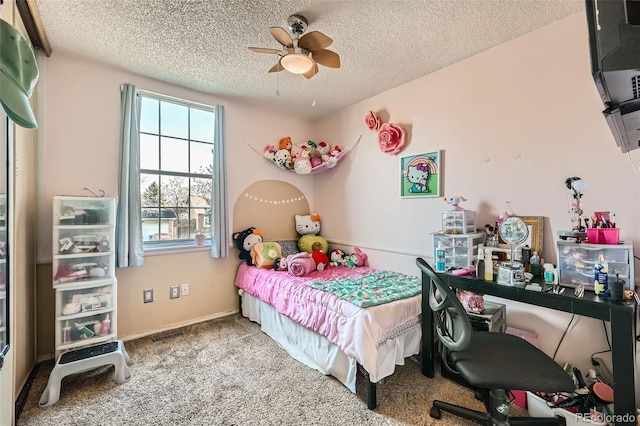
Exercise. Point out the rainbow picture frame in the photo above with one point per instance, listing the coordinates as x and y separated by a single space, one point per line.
421 175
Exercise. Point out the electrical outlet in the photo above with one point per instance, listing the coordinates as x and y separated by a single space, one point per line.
603 369
184 289
147 295
175 292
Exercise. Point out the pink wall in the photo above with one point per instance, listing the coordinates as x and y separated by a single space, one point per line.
513 123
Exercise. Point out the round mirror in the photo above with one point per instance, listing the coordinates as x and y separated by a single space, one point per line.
513 230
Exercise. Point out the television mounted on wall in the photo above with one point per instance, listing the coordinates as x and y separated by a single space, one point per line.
614 45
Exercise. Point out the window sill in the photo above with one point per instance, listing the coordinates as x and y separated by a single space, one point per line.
161 251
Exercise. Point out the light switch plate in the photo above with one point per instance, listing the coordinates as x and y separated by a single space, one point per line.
175 292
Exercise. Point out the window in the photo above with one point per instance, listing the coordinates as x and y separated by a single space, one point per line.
176 166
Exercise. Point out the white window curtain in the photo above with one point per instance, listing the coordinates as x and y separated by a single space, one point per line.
220 237
129 249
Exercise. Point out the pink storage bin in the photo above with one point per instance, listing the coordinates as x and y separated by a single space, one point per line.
603 235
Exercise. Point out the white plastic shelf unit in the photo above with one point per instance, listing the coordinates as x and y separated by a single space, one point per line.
84 271
459 249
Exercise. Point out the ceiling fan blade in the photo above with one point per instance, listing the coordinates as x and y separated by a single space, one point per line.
276 68
327 58
281 35
314 40
313 71
264 50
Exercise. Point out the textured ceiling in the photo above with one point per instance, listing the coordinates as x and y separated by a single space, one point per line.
203 44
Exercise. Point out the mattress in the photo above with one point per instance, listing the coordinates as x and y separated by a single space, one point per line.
378 337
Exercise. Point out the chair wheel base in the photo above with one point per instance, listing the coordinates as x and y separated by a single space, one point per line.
435 413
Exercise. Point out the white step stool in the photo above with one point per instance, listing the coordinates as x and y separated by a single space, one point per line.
86 359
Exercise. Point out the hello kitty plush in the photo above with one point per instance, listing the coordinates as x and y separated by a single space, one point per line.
324 148
308 226
337 257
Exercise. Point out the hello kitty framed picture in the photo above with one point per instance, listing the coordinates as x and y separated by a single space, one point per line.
420 175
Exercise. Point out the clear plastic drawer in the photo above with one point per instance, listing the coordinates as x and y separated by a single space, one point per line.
89 267
81 211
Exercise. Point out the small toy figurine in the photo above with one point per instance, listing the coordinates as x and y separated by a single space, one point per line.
280 264
454 202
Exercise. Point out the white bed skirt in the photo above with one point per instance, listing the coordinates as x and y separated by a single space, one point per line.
317 352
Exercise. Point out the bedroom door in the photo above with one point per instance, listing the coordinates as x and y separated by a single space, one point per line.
6 352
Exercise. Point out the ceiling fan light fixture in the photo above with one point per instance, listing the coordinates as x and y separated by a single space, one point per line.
296 63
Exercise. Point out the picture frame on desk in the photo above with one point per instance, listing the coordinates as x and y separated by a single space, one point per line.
535 240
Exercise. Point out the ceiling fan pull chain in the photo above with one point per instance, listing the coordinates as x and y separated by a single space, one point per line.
277 84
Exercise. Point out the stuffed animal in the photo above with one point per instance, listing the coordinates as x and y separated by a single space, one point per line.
354 260
337 257
298 151
245 240
454 202
335 151
321 259
280 264
285 143
282 158
269 152
302 165
308 226
324 148
315 157
269 149
359 256
263 255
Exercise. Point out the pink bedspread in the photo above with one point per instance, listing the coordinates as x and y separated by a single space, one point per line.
357 331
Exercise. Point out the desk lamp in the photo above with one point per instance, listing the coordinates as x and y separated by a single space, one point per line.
576 186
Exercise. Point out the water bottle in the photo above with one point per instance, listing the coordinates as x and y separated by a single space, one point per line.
440 260
480 264
601 281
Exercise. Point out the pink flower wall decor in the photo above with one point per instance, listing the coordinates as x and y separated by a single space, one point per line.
372 120
390 138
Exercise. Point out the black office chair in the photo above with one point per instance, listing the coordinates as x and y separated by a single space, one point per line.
490 363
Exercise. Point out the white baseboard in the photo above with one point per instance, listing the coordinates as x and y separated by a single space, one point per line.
178 325
47 357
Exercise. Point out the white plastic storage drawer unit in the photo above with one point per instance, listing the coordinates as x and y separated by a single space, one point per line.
460 249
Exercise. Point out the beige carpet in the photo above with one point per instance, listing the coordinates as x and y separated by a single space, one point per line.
227 372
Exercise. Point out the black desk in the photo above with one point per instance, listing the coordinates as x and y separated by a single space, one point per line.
620 315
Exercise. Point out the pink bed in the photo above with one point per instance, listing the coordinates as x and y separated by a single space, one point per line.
377 338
